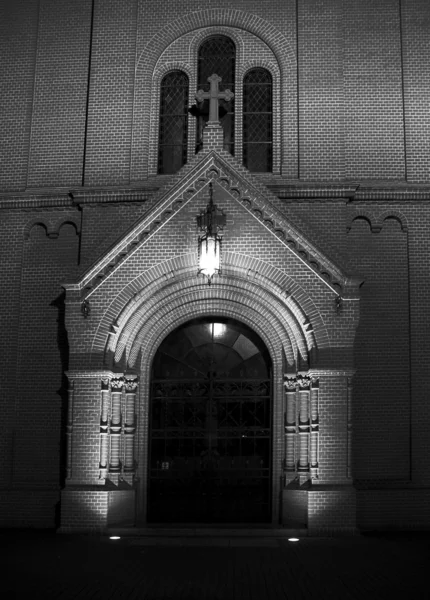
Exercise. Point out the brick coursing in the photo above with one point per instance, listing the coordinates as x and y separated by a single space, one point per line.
351 86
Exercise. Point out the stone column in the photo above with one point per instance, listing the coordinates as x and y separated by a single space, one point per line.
115 425
304 423
69 428
130 424
290 424
104 427
314 410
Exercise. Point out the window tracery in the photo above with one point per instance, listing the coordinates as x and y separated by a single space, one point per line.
257 120
248 120
173 126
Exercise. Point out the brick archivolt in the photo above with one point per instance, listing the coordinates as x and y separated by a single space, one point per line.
227 299
240 293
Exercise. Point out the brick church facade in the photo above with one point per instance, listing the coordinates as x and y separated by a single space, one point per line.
289 389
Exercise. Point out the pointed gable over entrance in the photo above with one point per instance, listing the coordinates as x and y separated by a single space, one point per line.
276 280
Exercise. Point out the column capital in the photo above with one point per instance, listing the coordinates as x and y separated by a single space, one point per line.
117 384
301 382
130 385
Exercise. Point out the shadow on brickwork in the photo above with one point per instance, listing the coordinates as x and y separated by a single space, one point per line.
63 348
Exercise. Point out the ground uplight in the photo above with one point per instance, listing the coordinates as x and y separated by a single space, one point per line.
293 539
114 537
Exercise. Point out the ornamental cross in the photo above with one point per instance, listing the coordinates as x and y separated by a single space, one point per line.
214 95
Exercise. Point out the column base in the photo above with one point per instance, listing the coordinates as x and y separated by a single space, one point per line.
322 510
93 510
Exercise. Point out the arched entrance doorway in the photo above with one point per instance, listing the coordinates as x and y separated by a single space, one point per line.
210 425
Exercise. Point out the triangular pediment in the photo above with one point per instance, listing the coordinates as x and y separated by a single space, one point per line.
243 188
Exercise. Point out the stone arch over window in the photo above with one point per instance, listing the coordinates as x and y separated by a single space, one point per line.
258 120
220 19
183 54
173 122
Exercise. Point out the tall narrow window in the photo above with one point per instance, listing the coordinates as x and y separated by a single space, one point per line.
172 139
217 55
257 121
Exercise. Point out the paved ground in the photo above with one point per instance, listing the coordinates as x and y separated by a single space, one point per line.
49 565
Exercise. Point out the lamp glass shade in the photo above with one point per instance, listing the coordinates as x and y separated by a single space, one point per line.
209 259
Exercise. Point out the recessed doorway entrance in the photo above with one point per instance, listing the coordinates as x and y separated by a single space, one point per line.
210 426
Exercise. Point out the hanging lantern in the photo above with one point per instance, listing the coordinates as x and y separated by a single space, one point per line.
209 255
210 222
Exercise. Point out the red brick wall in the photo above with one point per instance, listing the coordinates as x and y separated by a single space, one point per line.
331 511
38 398
360 112
374 134
11 235
321 90
84 509
393 509
59 100
419 252
360 65
381 394
18 40
29 508
416 81
111 93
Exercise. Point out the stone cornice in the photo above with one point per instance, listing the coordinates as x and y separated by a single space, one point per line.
57 198
93 373
314 372
350 193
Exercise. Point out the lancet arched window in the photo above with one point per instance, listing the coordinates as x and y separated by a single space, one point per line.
172 137
217 55
257 121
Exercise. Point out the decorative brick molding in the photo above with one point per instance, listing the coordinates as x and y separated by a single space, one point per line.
52 226
301 419
298 331
246 190
117 426
376 219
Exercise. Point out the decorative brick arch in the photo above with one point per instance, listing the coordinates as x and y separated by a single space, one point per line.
151 341
33 223
364 215
150 54
52 228
393 214
247 281
236 301
68 221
